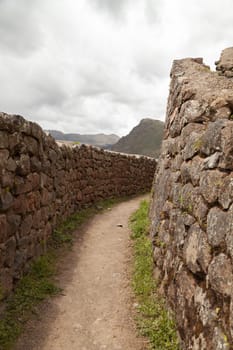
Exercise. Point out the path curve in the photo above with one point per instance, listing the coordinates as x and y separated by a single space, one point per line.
94 311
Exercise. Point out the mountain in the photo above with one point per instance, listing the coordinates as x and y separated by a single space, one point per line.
144 139
100 140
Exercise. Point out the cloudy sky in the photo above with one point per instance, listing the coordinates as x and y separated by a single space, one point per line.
91 66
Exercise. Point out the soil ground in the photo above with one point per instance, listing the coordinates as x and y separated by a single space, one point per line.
95 310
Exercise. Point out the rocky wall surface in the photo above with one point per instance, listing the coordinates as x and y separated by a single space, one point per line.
41 184
192 206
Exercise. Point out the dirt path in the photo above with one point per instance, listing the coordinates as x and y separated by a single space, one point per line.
95 310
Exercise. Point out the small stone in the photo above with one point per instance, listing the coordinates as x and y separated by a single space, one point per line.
220 340
13 222
210 183
225 196
10 246
217 226
193 111
193 146
6 199
220 274
212 161
204 307
4 141
197 251
3 228
211 140
4 155
23 165
226 159
26 226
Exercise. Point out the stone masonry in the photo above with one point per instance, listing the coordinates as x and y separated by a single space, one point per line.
41 184
192 206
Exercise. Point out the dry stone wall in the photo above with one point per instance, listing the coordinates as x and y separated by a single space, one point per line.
41 184
192 206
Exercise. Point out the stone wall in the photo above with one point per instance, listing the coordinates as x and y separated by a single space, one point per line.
41 184
192 206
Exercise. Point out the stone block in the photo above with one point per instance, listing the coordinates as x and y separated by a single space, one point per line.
23 165
211 140
6 199
4 155
217 226
13 223
3 228
225 195
197 251
210 184
10 248
226 158
26 225
220 274
4 139
6 281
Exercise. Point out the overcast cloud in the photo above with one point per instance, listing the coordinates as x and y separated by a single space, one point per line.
91 66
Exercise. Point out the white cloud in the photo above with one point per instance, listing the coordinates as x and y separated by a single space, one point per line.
98 65
20 31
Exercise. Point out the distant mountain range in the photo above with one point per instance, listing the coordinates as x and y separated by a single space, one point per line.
144 139
100 140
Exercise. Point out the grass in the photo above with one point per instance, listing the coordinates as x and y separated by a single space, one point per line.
197 145
38 284
153 319
31 290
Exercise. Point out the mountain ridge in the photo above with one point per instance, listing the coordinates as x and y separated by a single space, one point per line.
145 139
99 139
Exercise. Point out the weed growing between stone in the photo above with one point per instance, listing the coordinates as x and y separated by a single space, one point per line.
38 284
153 319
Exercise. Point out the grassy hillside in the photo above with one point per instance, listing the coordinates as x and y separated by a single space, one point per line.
144 139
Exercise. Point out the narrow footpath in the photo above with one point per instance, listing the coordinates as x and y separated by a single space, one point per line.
95 310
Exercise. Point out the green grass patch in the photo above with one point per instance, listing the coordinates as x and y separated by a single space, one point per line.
38 284
31 290
153 319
